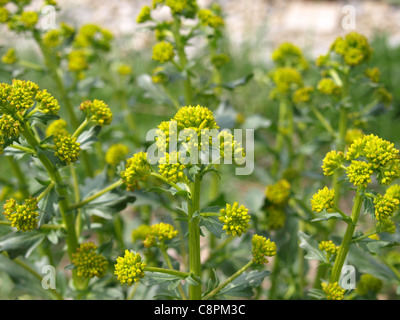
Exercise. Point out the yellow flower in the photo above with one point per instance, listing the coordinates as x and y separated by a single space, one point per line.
163 52
359 173
230 148
289 55
19 96
302 95
23 217
67 149
368 283
129 268
354 48
97 111
329 247
278 194
159 75
124 70
262 248
235 219
333 291
9 127
144 15
56 127
29 19
88 262
394 191
116 153
4 15
385 206
196 118
77 61
332 161
9 57
95 36
286 79
159 233
140 233
210 19
171 168
352 135
137 168
323 199
52 38
328 87
47 103
374 74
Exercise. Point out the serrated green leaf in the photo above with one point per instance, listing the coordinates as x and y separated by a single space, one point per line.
310 245
87 138
328 216
20 243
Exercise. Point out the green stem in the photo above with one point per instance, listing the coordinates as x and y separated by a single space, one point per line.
347 239
81 127
323 121
96 195
27 150
172 184
46 191
228 281
16 169
283 110
180 47
44 226
194 238
167 271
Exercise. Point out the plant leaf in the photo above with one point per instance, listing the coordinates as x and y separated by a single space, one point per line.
20 243
311 246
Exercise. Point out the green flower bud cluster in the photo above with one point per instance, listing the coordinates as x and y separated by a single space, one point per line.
333 291
289 55
324 199
97 111
171 168
262 248
385 206
302 95
328 247
368 283
47 103
88 262
328 87
354 48
210 19
163 52
235 219
159 233
137 168
78 62
67 149
56 127
116 153
279 193
23 217
332 161
129 268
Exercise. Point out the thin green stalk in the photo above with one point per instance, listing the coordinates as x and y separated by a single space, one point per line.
180 47
347 238
96 195
228 281
282 118
77 198
194 238
167 271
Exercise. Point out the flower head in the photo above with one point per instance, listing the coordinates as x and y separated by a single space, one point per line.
385 206
171 168
144 15
328 87
124 70
359 173
77 61
230 148
332 161
29 19
67 148
88 262
374 74
210 19
92 35
159 233
333 291
235 219
137 168
116 153
289 55
352 135
354 48
52 38
129 268
262 248
329 247
141 232
163 52
393 191
9 127
323 199
368 283
98 111
302 95
10 57
286 79
278 194
47 103
23 217
196 118
56 127
19 96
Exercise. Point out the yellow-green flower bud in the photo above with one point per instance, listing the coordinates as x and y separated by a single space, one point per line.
289 55
210 19
129 268
19 95
163 52
354 48
23 217
262 248
333 291
359 173
352 135
52 38
302 95
116 153
386 225
324 199
196 118
56 127
124 70
332 161
141 232
171 168
286 79
77 61
47 103
229 148
88 262
368 283
137 168
159 233
393 191
67 149
10 57
9 127
328 87
98 111
29 19
235 219
159 75
329 247
144 15
278 194
374 74
385 206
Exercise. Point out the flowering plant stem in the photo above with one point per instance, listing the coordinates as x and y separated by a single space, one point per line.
194 237
229 280
347 238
